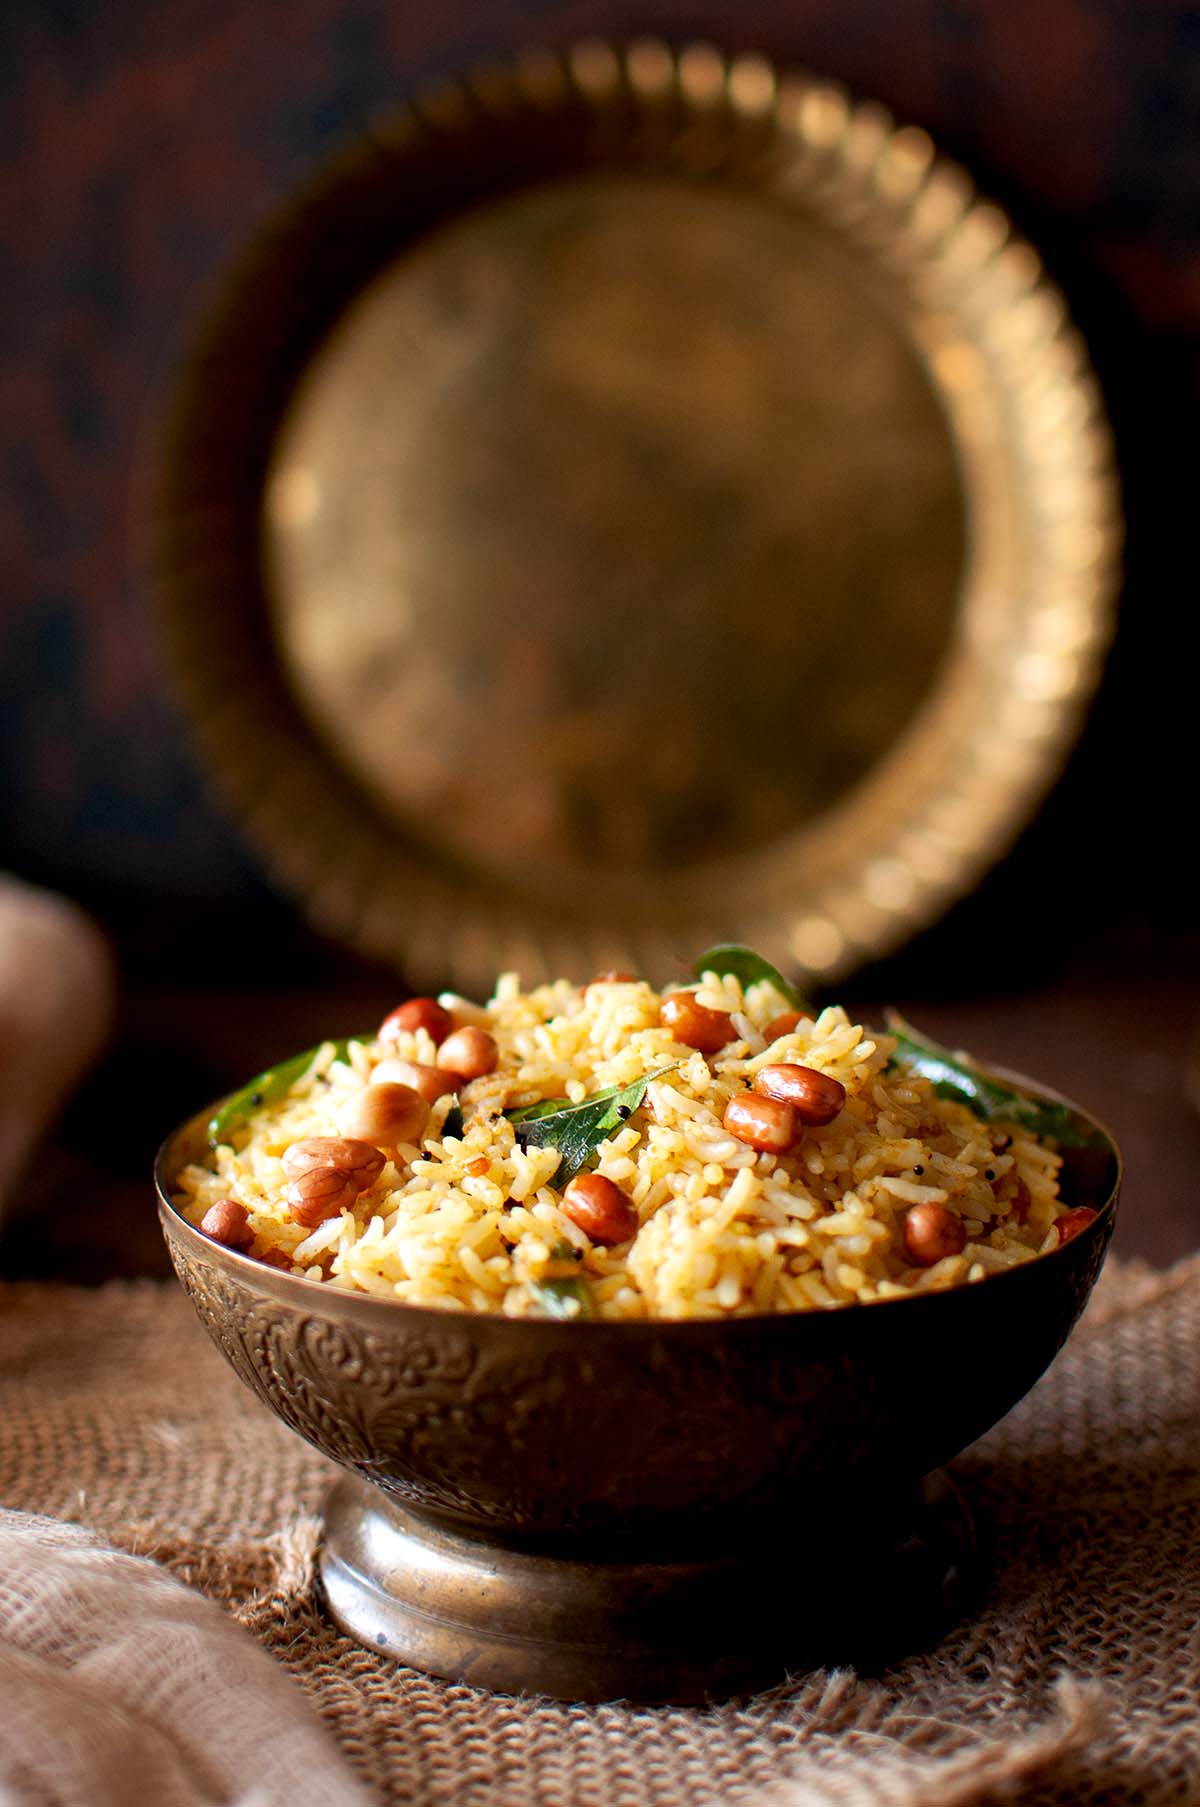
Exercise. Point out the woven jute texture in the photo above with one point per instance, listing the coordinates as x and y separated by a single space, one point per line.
1077 1680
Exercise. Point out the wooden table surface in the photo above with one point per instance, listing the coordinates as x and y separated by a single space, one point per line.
85 1210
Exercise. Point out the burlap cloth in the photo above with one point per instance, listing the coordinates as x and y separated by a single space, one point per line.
1078 1680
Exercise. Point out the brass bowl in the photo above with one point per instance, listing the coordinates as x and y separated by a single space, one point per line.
585 1509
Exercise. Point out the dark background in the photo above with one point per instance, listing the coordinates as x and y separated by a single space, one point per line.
142 139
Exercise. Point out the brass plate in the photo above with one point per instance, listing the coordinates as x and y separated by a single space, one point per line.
628 501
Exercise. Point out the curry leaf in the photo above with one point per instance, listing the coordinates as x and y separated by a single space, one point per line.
453 1122
577 1130
548 1107
730 960
563 1298
955 1076
267 1088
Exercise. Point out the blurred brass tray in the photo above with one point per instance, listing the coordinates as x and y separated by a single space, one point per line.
630 500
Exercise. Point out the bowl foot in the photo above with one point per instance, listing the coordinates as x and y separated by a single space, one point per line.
542 1619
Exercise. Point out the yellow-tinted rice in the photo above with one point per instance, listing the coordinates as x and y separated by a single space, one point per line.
723 1231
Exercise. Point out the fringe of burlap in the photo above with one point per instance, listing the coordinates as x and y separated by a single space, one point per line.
1077 1681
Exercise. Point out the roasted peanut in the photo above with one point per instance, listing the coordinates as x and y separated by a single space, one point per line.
815 1097
600 1209
385 1114
471 1052
431 1082
417 1013
782 1025
931 1232
319 1193
1073 1223
229 1223
768 1124
359 1162
695 1025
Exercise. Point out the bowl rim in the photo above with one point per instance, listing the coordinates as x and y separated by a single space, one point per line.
293 1287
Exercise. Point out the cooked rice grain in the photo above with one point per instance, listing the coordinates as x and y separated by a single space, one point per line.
722 1231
